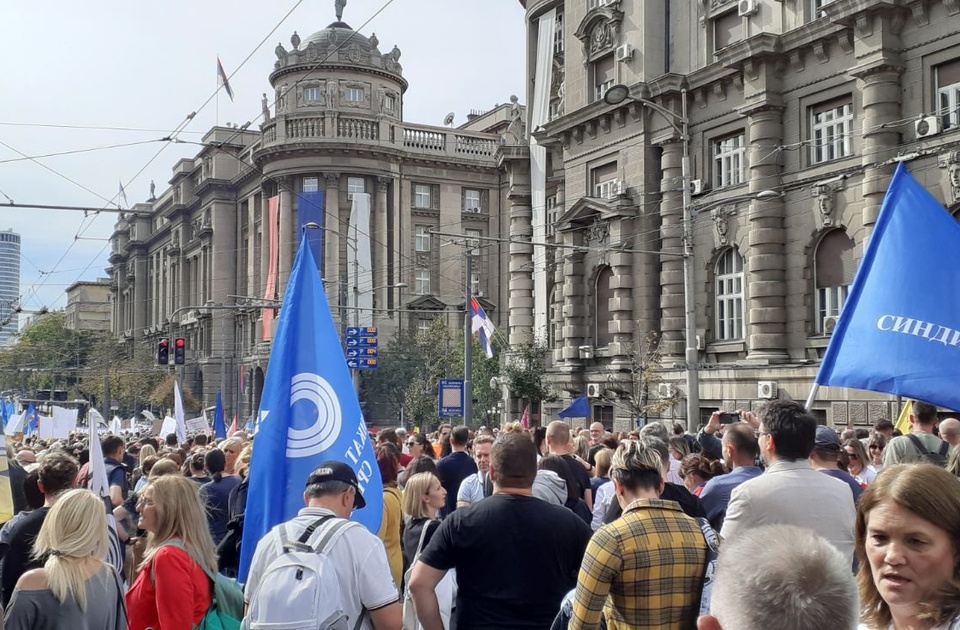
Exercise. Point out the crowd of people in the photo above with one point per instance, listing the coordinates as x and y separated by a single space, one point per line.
762 520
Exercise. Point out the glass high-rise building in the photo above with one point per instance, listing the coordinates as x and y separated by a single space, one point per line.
9 285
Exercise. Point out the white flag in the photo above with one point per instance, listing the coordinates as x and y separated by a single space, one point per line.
178 413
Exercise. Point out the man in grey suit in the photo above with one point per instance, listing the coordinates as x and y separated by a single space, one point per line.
790 491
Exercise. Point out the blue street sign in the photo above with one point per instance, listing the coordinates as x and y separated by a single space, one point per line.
362 353
361 331
450 398
363 364
362 342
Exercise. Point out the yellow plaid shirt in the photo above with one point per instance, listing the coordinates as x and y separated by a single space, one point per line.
650 562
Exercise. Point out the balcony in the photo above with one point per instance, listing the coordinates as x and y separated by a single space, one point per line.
333 128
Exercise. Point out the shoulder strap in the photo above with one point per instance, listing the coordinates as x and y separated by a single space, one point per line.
308 532
338 525
944 448
918 444
121 600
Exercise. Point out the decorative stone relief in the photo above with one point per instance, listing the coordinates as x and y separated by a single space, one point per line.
825 194
599 231
721 218
599 32
951 162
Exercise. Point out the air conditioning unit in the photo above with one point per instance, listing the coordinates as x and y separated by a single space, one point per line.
594 390
696 187
829 323
746 8
625 52
665 390
767 389
608 189
927 126
472 210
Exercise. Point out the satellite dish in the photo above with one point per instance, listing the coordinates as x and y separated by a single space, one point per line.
448 121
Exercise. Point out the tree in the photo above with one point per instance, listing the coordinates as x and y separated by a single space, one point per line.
643 377
162 395
132 374
383 389
524 372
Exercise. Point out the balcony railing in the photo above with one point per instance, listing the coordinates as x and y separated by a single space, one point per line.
411 138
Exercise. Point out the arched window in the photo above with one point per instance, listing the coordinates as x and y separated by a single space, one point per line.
552 307
834 270
729 295
601 320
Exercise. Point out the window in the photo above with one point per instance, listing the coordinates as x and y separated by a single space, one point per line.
604 181
558 35
390 103
729 273
421 281
601 319
471 200
353 94
604 77
817 5
355 185
312 94
473 238
475 289
593 4
551 318
728 161
831 131
727 29
834 271
422 196
422 238
311 184
948 93
553 212
423 325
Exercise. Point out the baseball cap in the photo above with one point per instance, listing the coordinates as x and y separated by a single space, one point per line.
338 471
826 439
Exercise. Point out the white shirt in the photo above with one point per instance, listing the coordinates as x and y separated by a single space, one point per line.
471 488
674 475
601 503
358 555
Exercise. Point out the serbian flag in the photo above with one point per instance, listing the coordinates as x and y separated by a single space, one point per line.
223 79
481 324
233 427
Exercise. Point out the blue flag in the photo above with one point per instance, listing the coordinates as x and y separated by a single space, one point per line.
899 331
579 408
32 422
219 423
309 413
310 209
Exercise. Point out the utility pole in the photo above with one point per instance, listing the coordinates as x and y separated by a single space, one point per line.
467 344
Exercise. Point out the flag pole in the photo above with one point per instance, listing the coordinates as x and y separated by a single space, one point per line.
812 396
467 344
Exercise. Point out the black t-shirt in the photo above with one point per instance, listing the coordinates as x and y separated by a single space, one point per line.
17 557
579 472
515 556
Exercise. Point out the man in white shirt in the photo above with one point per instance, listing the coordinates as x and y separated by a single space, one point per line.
366 585
478 485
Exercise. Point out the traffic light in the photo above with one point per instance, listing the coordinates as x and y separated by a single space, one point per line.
179 349
163 351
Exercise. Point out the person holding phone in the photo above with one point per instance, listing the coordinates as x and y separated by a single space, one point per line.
739 450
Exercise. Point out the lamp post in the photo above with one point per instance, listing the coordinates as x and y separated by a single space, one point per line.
681 124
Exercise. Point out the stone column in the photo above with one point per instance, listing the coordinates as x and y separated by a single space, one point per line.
520 305
265 244
671 239
253 286
379 244
140 295
574 329
879 87
621 297
288 240
764 258
331 240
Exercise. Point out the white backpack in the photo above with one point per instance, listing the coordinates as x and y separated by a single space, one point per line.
300 589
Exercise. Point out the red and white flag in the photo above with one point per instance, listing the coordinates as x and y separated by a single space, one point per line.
223 79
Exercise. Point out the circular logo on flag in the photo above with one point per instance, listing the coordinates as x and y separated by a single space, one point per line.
313 403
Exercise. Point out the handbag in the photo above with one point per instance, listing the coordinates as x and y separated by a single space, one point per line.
446 590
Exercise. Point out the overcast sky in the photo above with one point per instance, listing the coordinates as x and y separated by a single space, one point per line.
145 65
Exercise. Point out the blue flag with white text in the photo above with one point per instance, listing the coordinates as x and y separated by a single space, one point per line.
219 422
899 331
310 209
309 413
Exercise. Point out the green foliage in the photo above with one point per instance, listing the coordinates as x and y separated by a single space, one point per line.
525 371
644 375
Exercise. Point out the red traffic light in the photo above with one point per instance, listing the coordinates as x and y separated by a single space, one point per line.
179 351
180 342
163 351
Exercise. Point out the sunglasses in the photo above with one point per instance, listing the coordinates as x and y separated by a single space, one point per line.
852 455
874 447
411 443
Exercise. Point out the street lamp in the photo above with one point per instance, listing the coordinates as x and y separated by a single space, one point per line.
616 95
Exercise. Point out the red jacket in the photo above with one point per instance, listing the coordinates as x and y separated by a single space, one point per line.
176 599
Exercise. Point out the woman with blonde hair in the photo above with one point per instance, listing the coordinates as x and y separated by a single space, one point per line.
146 451
172 590
423 498
75 588
231 448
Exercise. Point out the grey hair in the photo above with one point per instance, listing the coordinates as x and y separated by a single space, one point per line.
660 446
326 488
784 577
656 429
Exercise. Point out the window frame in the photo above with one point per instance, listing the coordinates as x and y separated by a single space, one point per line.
729 160
310 184
351 186
312 94
947 97
423 191
729 297
421 281
421 238
349 92
473 237
475 209
834 120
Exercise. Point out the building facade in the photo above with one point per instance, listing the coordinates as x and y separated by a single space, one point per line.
208 258
9 286
796 113
88 305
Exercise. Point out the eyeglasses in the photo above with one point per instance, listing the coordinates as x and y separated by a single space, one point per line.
411 443
874 447
852 455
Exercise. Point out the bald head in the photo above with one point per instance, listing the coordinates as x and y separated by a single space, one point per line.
596 432
558 437
950 431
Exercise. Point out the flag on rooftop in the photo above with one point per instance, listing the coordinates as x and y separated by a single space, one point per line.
223 79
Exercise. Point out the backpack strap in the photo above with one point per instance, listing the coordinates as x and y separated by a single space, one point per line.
176 542
918 444
944 448
304 537
713 549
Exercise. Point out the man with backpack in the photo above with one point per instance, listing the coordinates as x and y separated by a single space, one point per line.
320 570
920 445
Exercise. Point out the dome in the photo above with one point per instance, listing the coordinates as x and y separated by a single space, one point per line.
340 44
337 33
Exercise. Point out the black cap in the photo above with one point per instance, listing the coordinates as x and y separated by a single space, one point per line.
826 439
338 471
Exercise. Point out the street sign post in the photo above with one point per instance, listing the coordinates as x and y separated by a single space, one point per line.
450 398
361 351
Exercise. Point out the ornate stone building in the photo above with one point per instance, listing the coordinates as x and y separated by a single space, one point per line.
202 258
810 102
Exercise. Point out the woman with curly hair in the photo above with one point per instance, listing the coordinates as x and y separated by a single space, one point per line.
697 470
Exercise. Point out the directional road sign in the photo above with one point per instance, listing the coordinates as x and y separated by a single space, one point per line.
362 364
362 342
362 353
361 331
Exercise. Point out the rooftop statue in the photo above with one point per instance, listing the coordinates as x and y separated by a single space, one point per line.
339 4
